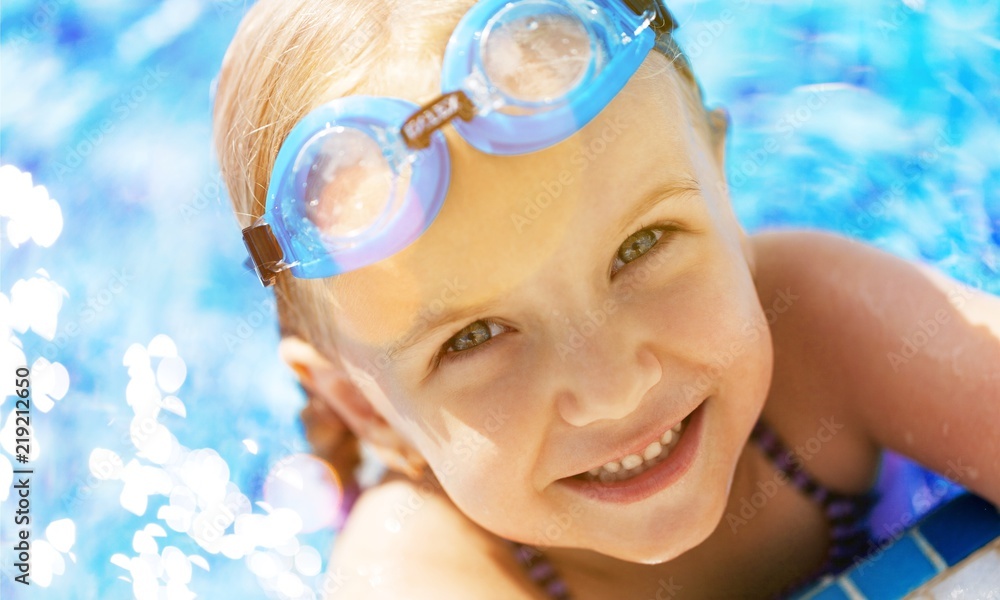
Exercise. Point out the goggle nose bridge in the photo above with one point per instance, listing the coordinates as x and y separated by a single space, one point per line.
474 96
417 129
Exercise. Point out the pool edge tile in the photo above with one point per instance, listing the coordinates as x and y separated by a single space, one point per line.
960 527
895 572
925 590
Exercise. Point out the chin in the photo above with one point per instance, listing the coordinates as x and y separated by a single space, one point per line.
666 542
668 532
701 511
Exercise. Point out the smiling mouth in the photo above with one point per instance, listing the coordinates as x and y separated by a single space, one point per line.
617 483
631 465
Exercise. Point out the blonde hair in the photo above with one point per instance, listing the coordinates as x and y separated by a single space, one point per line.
289 57
286 59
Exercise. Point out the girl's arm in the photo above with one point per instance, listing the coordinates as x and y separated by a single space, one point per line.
920 354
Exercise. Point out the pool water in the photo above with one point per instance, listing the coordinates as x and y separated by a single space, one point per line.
167 457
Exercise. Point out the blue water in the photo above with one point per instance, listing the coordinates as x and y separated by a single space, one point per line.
874 119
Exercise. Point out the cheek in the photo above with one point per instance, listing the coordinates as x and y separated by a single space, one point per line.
736 359
480 446
486 469
707 315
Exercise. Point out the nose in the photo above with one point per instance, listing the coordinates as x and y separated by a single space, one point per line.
605 377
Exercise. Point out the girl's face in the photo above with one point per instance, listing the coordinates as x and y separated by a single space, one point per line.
565 309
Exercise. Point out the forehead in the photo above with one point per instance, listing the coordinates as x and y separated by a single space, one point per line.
507 220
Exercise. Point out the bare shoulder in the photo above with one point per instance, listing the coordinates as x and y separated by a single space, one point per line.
904 355
408 540
808 402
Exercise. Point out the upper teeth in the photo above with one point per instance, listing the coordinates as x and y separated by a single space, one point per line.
633 464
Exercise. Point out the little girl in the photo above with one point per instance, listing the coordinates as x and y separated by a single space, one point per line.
505 259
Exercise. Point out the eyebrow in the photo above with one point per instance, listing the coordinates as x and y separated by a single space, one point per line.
422 329
654 197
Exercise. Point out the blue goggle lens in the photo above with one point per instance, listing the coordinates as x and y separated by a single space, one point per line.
537 53
360 178
347 185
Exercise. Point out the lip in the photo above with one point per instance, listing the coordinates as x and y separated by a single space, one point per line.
652 480
652 434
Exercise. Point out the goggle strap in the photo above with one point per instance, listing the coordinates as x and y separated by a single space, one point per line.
664 24
420 125
265 253
663 21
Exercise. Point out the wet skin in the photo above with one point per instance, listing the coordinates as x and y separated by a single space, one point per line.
589 351
547 396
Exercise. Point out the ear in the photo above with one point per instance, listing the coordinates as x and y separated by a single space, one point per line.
326 381
718 124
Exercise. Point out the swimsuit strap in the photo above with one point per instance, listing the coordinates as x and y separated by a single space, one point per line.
541 571
847 514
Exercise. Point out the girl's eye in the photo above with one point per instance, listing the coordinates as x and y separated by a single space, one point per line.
472 336
475 335
636 246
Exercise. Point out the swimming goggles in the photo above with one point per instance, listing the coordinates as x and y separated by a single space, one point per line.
362 177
